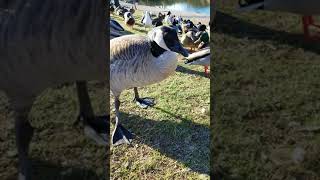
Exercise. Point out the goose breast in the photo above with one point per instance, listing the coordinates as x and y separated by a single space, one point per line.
133 65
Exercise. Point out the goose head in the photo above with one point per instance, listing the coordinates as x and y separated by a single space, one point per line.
167 39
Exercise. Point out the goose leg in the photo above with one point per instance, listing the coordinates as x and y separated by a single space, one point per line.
95 127
206 70
24 133
143 102
120 134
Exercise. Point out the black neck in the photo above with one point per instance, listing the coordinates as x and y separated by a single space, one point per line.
156 50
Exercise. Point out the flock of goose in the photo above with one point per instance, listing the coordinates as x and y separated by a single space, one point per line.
141 60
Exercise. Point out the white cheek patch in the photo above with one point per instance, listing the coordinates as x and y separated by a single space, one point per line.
157 36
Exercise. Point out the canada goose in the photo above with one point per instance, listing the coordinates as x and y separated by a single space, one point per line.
200 58
120 11
306 8
69 49
116 29
179 19
111 7
114 24
158 21
146 20
132 10
129 19
137 61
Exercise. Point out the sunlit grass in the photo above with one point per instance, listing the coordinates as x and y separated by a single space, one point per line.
265 87
172 138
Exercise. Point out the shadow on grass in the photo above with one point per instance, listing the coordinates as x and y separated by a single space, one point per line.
182 140
190 71
49 171
228 24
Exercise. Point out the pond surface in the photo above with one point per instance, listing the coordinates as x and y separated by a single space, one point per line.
197 6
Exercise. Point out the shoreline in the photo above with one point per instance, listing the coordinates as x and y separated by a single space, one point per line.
195 17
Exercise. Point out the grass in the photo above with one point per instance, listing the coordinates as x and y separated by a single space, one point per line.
172 138
58 150
265 90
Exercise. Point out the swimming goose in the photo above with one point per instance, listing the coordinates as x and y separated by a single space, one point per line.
146 20
200 58
129 19
307 8
137 61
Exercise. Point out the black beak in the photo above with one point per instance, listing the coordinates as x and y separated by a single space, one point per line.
179 49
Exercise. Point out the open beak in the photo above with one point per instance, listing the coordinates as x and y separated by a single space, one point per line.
179 49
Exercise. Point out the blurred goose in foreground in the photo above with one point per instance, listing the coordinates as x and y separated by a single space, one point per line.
137 61
307 8
200 58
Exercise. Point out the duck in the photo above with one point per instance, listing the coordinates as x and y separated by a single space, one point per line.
200 58
129 19
307 9
138 61
146 20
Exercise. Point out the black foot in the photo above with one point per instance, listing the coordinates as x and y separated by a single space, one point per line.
145 102
121 136
96 128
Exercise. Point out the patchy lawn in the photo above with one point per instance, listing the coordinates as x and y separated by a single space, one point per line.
58 150
266 96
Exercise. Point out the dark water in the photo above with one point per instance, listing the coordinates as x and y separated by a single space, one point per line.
198 6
